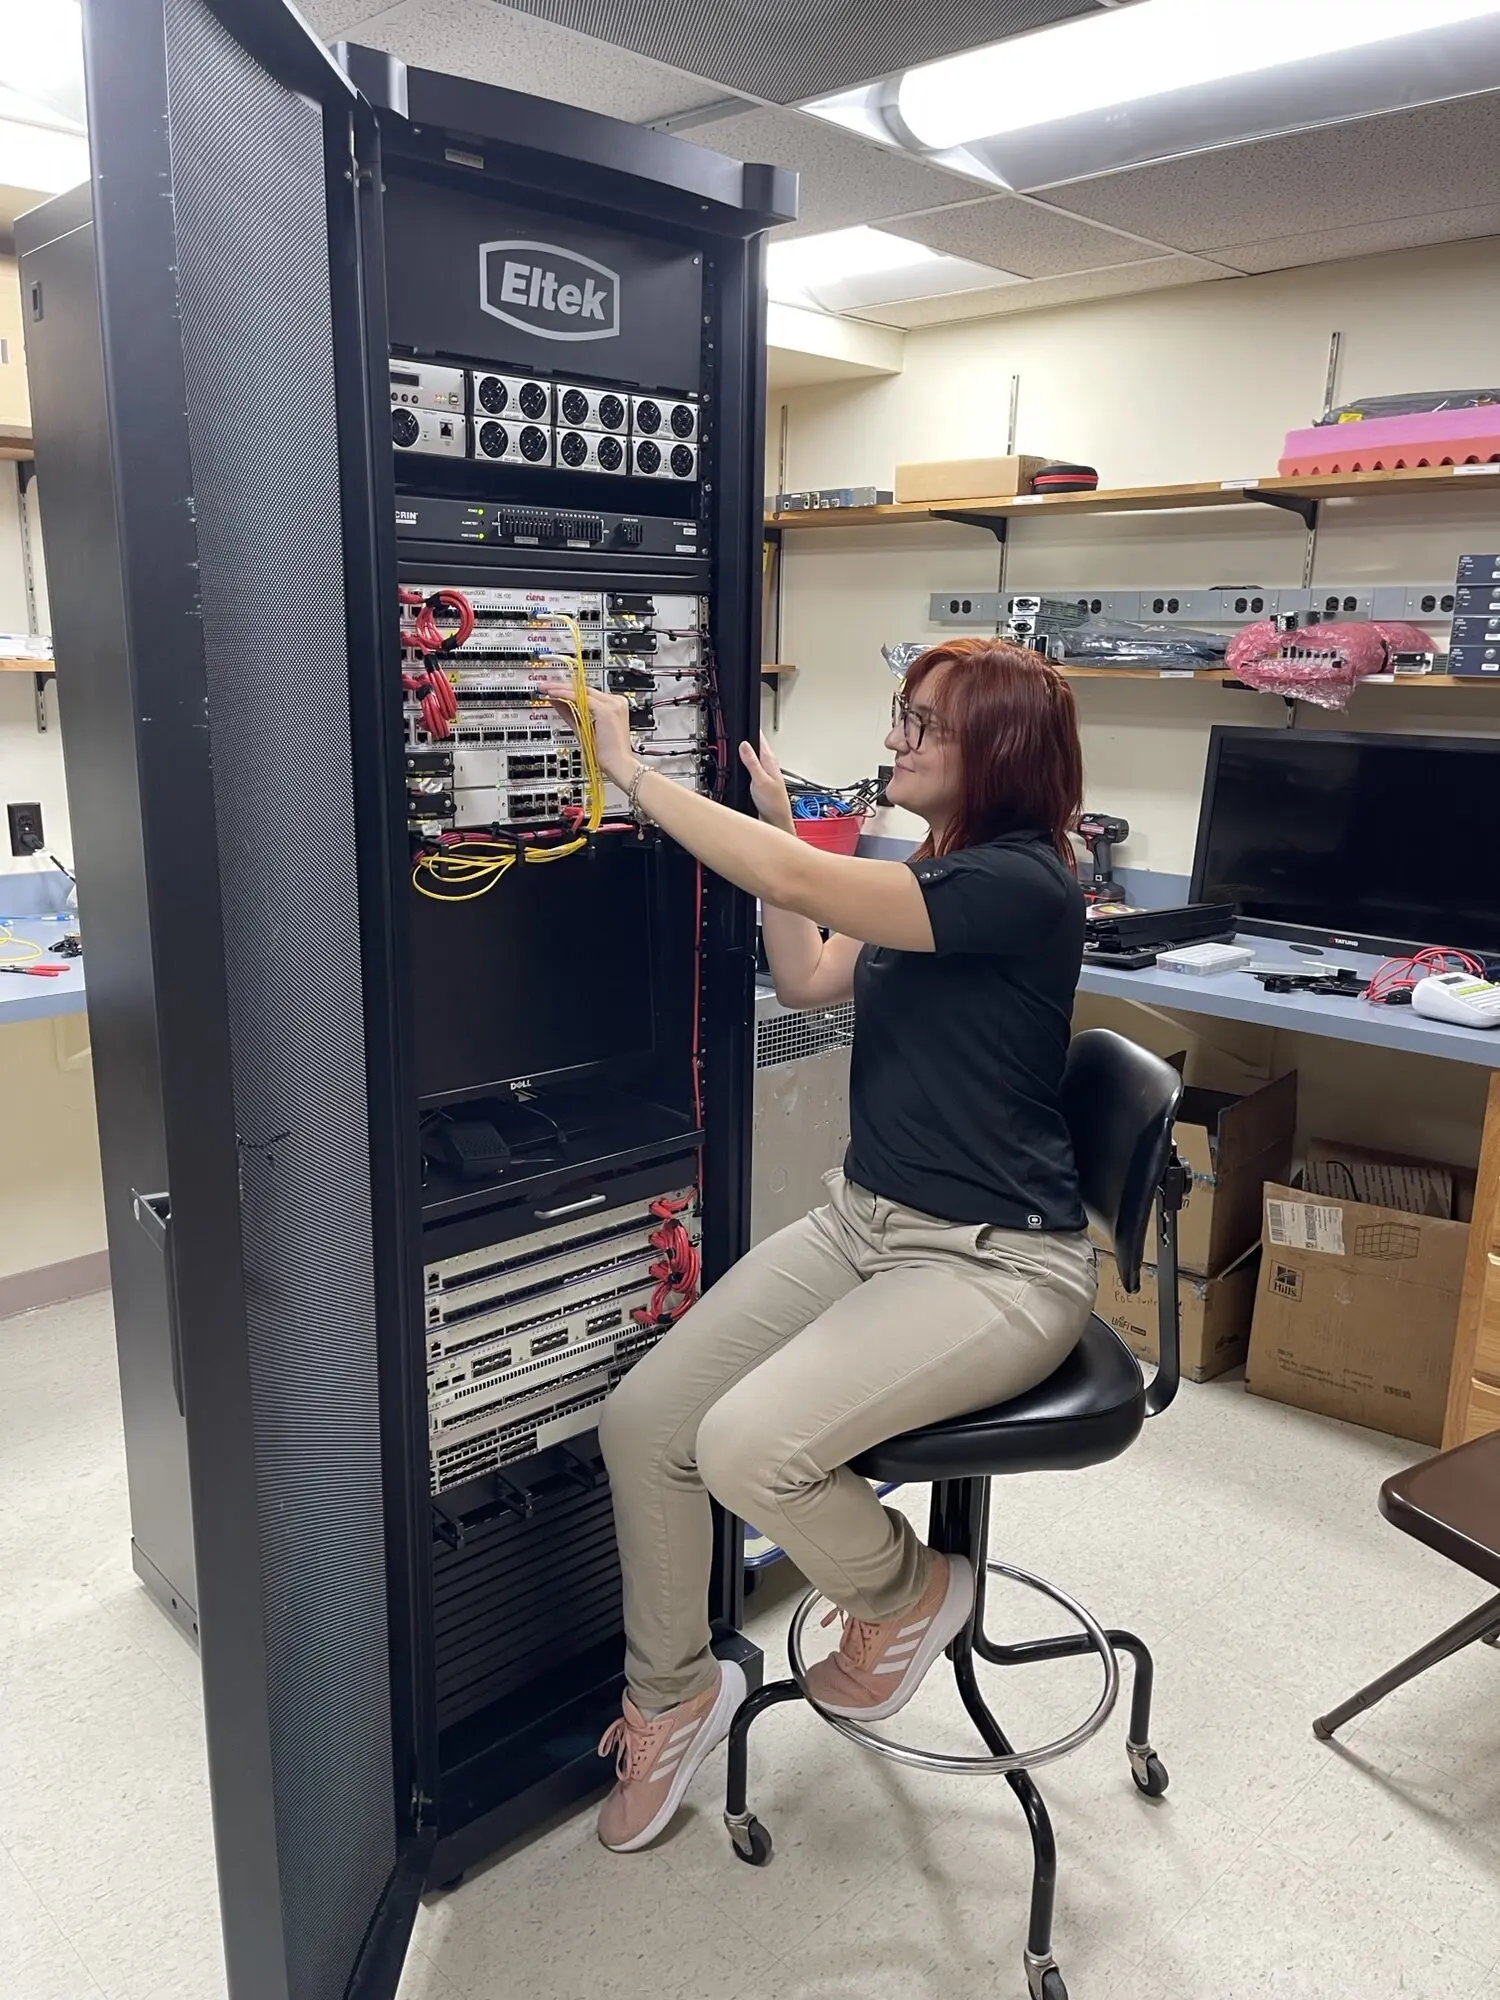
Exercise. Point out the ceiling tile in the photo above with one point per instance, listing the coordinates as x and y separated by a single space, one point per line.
1014 235
789 50
495 44
1363 171
1155 275
846 179
1365 239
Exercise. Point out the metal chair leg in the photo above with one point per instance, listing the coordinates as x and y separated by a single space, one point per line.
752 1842
1147 1769
1481 1624
1044 1981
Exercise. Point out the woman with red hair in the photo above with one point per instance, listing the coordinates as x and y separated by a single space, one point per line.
949 1269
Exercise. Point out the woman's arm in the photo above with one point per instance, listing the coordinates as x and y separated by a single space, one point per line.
809 970
877 902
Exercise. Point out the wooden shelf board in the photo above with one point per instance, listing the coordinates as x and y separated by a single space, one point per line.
27 667
15 441
1158 499
769 667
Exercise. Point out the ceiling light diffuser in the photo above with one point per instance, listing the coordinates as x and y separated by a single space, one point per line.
1165 78
845 269
1145 51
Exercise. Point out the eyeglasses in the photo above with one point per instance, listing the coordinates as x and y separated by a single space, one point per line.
914 723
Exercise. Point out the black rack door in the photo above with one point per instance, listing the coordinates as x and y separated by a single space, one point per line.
226 175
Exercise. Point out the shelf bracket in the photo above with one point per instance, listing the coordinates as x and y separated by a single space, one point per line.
997 525
41 681
1306 510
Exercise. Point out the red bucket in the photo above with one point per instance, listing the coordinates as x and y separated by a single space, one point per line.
837 835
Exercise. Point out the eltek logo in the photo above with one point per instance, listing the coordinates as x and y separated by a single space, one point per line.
551 292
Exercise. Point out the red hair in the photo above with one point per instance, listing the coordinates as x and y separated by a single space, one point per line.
1016 725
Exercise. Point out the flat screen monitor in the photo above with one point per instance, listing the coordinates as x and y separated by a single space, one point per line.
1369 842
548 977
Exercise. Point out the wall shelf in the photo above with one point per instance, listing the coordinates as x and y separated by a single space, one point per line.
41 672
15 441
1222 675
1292 494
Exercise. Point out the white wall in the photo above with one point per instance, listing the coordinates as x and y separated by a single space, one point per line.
1195 384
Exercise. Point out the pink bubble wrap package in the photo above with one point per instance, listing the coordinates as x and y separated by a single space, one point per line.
1321 663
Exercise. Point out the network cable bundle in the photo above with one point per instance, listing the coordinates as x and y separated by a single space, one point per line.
438 1120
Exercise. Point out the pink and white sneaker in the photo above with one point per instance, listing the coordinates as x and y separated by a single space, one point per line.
657 1758
879 1667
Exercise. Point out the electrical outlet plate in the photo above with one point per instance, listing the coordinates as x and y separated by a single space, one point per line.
1173 605
25 828
1330 601
978 609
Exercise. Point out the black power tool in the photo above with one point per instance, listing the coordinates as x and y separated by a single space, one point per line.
1100 832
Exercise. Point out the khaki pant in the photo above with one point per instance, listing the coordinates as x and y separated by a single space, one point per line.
863 1320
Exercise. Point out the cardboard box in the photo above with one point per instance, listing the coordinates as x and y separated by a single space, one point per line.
1233 1144
1356 1311
1214 1315
967 478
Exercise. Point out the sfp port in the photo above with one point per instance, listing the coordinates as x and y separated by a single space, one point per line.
493 1362
548 1343
601 1322
523 768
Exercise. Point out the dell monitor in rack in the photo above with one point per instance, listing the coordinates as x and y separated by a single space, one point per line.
1360 842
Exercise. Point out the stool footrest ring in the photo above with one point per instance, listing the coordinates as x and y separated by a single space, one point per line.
939 1760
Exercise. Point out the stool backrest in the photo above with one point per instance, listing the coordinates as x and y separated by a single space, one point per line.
1119 1100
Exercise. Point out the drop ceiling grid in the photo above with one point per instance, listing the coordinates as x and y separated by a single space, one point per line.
496 44
786 51
846 179
1030 238
1361 171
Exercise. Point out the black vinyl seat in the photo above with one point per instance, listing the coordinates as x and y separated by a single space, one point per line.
1119 1101
1090 1410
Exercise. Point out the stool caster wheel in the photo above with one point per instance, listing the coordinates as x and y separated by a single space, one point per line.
752 1843
1149 1772
1053 1987
1044 1981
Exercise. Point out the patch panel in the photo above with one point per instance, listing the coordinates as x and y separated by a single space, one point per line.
508 759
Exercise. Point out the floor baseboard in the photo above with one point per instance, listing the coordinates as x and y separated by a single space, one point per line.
51 1284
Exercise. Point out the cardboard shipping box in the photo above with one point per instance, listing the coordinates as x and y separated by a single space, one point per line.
1214 1315
1356 1311
1233 1145
967 478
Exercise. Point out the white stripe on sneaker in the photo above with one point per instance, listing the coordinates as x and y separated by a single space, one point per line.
920 1626
910 1647
893 1667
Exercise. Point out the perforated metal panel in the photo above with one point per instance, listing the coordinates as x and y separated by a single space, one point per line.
791 50
248 184
783 1037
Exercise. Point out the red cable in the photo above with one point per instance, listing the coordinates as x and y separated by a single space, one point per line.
1400 975
677 1271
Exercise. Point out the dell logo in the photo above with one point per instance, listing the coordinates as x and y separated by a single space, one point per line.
551 292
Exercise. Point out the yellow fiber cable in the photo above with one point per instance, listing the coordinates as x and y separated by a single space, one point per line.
455 865
25 951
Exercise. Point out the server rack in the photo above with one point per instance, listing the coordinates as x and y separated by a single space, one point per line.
405 1659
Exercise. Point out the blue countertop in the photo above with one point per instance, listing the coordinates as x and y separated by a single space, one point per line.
36 999
1235 996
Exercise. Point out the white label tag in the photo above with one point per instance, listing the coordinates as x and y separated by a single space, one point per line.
1237 485
1473 471
1175 674
1306 1225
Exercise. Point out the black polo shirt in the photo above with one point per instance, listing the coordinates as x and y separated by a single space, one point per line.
958 1055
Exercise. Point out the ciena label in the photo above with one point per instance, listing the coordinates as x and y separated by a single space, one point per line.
545 290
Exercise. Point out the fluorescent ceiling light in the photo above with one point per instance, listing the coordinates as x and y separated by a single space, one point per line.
44 161
41 55
1165 78
845 269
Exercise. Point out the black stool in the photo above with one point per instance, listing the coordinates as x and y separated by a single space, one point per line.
1120 1102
